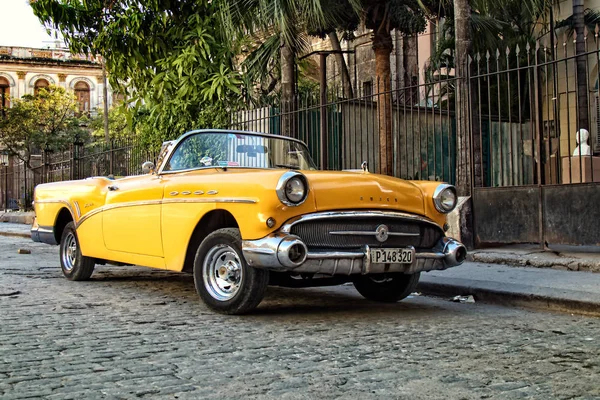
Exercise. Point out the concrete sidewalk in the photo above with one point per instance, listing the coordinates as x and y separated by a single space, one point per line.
545 281
17 217
541 288
15 229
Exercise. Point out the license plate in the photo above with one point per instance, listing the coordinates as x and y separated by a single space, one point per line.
392 256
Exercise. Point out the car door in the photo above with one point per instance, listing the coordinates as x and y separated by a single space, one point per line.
132 218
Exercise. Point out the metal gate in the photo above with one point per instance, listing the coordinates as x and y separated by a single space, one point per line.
532 182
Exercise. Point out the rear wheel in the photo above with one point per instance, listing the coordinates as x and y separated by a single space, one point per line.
223 279
74 265
386 288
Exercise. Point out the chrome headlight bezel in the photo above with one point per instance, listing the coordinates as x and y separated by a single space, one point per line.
282 185
438 195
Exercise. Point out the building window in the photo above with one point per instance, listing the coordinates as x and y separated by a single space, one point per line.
40 84
367 88
82 92
4 94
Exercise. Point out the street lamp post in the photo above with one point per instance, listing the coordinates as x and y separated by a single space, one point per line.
4 163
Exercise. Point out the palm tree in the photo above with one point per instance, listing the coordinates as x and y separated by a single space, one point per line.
384 16
292 20
577 23
281 26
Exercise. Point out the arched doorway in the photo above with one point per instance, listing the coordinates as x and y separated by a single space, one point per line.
82 92
40 84
4 93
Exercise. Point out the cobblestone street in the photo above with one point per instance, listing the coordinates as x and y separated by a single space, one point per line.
135 332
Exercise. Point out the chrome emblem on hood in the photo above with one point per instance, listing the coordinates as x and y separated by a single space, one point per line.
382 233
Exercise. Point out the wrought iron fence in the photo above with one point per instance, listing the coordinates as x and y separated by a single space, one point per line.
418 119
527 111
119 157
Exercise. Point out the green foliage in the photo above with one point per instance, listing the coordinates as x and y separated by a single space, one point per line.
277 22
407 16
156 127
120 123
44 121
169 55
495 24
591 18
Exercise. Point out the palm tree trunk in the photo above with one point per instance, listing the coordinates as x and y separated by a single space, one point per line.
462 14
581 73
382 45
339 57
288 90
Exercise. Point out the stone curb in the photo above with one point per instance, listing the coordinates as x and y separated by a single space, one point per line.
511 298
17 218
562 263
16 234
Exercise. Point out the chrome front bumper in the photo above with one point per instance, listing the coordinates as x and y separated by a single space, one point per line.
284 252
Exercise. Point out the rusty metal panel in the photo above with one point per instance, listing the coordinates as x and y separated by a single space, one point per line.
506 215
572 214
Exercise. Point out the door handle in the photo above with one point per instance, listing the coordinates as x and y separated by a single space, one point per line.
112 188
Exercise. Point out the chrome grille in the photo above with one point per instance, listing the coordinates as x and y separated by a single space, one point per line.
347 233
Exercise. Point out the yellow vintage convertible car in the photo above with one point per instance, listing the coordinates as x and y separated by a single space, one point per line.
242 210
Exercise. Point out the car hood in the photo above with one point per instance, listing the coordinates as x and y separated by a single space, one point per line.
358 190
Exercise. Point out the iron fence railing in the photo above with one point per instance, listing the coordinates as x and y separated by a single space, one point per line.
418 119
526 114
526 108
118 157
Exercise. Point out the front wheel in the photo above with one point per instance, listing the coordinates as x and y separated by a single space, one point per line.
223 279
75 266
386 288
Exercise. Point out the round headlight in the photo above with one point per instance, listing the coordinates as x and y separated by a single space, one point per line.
295 190
445 198
292 188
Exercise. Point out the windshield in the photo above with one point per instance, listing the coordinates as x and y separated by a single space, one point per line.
238 150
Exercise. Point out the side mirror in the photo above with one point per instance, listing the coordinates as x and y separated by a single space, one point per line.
148 167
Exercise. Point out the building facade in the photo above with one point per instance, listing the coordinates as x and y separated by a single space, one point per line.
26 70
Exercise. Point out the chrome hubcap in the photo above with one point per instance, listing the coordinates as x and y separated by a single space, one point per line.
222 272
69 254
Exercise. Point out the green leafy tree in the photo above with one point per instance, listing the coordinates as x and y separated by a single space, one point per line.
46 120
170 56
383 16
293 20
120 123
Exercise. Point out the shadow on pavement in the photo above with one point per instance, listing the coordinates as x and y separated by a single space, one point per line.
318 302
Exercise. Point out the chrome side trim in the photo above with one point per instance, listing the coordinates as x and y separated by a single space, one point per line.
367 233
77 208
174 193
165 201
286 228
88 215
211 200
114 206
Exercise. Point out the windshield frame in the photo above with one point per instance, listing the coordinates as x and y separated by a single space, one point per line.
182 138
